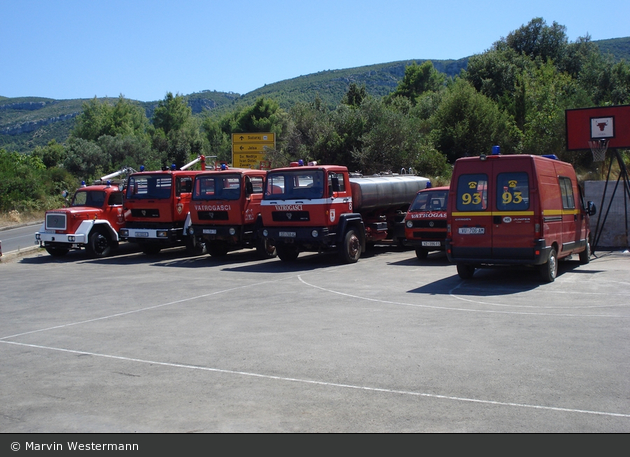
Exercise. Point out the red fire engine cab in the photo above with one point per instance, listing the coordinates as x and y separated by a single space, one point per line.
225 211
157 208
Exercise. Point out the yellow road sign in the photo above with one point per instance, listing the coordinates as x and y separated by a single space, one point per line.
247 160
250 147
264 138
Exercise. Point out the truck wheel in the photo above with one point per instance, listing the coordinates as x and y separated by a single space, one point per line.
195 246
151 249
465 271
422 253
351 247
549 270
287 253
217 248
585 255
99 245
56 252
265 248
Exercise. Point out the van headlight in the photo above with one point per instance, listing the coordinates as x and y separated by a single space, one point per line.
409 224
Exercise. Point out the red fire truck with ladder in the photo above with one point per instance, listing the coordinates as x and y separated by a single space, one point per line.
225 211
93 220
157 208
321 208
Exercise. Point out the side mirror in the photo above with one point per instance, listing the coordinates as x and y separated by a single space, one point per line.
592 209
335 183
249 188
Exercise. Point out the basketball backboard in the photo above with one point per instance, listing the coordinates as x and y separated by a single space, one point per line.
611 123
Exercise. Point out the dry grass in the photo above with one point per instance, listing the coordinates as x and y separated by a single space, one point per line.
15 218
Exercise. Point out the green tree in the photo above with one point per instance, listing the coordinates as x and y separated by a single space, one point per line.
104 118
52 154
355 95
86 159
469 123
537 39
419 79
176 134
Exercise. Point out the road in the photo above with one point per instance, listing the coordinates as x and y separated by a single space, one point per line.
177 343
19 237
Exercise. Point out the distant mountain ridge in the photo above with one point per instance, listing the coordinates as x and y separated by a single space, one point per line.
27 122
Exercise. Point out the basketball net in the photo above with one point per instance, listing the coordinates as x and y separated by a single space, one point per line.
599 148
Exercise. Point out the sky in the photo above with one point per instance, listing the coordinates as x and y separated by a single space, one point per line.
144 49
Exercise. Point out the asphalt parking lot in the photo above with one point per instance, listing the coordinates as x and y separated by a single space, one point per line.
174 343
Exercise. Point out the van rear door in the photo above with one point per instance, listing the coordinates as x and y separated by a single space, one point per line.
471 218
513 231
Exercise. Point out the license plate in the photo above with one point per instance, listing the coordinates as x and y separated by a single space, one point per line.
210 231
472 230
288 234
142 234
431 243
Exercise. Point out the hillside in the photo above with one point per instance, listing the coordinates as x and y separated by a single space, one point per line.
27 122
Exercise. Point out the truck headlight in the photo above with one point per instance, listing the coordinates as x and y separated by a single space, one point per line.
162 234
314 233
232 231
265 232
409 224
71 239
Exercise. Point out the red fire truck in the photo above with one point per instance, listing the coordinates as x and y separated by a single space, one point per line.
425 222
93 221
157 208
321 208
225 211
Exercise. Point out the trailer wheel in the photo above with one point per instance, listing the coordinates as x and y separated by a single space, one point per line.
99 245
350 250
56 251
287 253
422 253
465 271
265 248
585 255
549 270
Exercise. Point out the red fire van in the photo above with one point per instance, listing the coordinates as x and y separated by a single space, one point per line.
516 210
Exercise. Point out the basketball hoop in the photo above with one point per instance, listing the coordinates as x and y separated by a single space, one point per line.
599 148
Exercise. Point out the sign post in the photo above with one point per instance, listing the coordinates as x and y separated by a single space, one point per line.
249 149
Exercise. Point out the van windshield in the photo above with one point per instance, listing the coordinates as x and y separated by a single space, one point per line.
434 200
512 191
472 192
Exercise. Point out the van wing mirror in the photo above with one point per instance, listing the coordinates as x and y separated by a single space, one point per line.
249 188
592 209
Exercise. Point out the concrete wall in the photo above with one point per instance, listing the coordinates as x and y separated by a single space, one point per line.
615 229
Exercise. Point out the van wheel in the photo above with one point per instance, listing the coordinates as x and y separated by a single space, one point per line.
265 248
287 253
98 245
422 253
465 271
56 252
351 248
549 270
585 255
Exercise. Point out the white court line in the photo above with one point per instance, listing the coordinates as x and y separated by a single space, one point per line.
467 310
323 383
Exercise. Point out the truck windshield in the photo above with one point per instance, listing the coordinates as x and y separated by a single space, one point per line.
150 186
430 201
295 184
217 187
93 198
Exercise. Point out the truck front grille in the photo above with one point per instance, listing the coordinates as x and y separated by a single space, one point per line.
56 221
290 216
212 215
